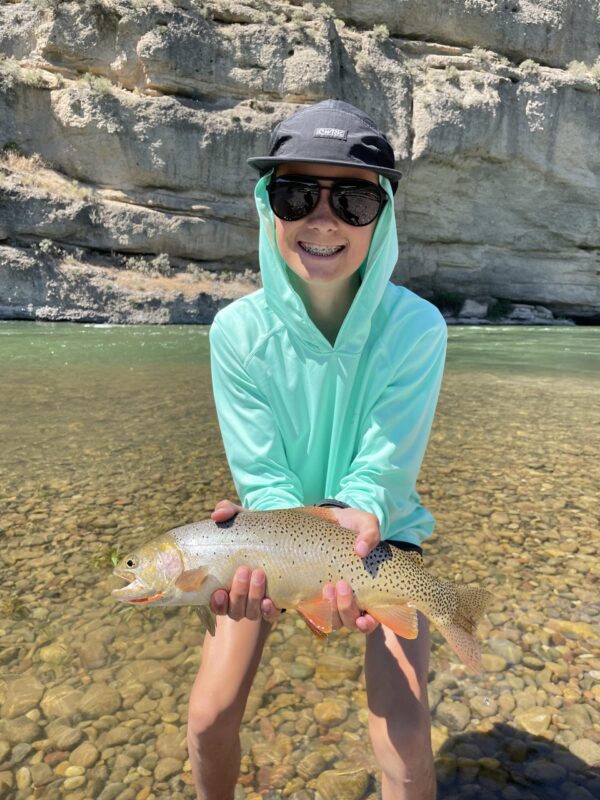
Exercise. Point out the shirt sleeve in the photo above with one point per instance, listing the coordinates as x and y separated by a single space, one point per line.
383 474
253 443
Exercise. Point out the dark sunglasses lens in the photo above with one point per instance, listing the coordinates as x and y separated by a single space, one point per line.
357 206
293 200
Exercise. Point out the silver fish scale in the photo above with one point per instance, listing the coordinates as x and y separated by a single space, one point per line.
299 551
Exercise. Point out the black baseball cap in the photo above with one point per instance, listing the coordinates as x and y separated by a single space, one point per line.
330 132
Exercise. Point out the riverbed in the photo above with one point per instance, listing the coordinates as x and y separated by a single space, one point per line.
109 437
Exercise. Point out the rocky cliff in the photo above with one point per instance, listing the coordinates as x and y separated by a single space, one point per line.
125 126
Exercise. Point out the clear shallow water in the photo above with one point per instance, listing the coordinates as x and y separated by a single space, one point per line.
109 438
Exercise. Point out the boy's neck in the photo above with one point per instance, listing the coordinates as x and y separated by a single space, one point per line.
327 303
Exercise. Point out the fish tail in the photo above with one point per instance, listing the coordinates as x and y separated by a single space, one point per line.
459 631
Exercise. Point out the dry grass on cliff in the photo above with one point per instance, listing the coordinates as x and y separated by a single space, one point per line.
34 172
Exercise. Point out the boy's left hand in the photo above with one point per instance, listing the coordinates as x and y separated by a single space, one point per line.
346 610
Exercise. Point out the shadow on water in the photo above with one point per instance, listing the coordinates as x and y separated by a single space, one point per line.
506 763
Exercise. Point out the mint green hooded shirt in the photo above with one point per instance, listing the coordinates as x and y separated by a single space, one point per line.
302 419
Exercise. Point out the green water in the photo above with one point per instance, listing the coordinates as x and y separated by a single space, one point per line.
108 437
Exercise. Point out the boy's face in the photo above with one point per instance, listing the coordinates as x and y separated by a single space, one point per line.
323 227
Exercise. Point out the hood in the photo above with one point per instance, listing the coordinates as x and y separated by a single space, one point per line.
285 302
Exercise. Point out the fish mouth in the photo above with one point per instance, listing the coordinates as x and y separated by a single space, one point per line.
135 591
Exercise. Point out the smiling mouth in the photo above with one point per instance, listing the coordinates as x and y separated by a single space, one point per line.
323 251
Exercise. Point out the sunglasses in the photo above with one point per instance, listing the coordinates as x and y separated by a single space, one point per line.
356 202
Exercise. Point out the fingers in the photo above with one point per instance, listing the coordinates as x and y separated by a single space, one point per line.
346 611
246 598
219 602
368 536
269 611
238 594
366 526
224 510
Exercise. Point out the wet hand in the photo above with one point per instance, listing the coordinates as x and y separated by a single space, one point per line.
225 510
345 608
246 598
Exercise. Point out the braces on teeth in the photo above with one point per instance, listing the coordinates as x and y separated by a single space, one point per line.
321 251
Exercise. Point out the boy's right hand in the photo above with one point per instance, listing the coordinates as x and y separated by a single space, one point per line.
246 598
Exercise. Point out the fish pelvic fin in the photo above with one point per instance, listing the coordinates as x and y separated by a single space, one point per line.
399 618
318 615
460 631
207 618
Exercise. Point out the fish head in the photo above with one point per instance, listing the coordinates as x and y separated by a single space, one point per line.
151 572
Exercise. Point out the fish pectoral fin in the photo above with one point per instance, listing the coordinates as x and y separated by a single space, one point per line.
207 618
192 579
400 618
321 512
318 615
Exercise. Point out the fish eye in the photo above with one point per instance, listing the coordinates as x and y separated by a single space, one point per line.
131 563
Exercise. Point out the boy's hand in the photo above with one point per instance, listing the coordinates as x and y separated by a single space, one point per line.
246 598
346 611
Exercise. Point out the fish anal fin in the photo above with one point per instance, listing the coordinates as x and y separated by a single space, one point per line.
317 614
321 512
399 618
192 579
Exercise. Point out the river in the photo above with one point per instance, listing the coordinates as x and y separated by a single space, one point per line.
109 437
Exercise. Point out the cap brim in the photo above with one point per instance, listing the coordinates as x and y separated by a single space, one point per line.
267 163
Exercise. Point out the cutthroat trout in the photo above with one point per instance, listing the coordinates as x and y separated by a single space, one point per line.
300 550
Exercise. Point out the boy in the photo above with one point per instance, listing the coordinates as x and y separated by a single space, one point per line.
325 383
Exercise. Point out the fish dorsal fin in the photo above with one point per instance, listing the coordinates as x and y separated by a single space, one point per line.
192 579
401 619
318 615
321 512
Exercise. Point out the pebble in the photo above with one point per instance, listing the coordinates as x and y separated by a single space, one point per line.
534 720
490 662
544 771
483 706
63 737
342 785
22 694
455 716
587 750
23 778
167 767
20 729
311 765
531 662
509 651
61 701
332 670
331 712
84 756
578 719
72 783
99 700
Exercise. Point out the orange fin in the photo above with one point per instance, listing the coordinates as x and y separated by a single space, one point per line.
322 512
191 580
319 634
147 599
317 614
401 619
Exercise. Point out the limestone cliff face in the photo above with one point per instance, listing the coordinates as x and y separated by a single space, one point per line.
125 126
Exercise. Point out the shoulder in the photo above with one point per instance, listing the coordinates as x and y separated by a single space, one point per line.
408 316
243 324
